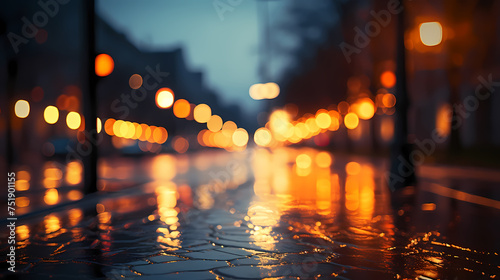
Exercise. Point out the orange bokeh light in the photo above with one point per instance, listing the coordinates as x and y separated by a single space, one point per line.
104 65
351 121
388 79
182 108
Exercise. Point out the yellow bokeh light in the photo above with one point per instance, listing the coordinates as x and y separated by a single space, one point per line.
182 108
99 125
214 124
264 91
323 120
73 120
164 98
22 109
131 130
229 126
123 130
117 128
351 121
255 91
273 90
51 114
431 33
138 131
303 161
262 137
104 65
279 122
323 159
51 197
240 137
202 113
365 108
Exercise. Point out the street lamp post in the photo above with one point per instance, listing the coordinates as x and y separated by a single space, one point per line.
402 171
90 105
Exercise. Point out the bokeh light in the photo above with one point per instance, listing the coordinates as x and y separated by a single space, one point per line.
365 108
164 98
388 100
160 135
180 144
202 113
22 109
262 137
431 33
214 124
388 79
182 108
240 137
51 114
98 125
108 126
351 121
323 159
73 120
323 119
264 91
104 65
352 168
135 81
303 161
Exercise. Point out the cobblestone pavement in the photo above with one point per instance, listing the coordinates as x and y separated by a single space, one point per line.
286 214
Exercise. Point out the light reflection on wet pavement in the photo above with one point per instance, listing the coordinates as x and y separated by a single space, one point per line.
289 213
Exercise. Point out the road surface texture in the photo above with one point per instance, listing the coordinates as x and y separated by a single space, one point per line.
280 214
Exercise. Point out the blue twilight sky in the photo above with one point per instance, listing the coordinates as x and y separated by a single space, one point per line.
225 48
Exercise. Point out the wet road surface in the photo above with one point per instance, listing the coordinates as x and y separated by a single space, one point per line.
285 214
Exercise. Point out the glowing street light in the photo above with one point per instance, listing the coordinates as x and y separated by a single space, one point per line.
431 33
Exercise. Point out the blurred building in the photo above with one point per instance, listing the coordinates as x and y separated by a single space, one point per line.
47 44
440 77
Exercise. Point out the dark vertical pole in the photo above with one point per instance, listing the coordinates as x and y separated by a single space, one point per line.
265 60
9 101
402 166
11 84
90 104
